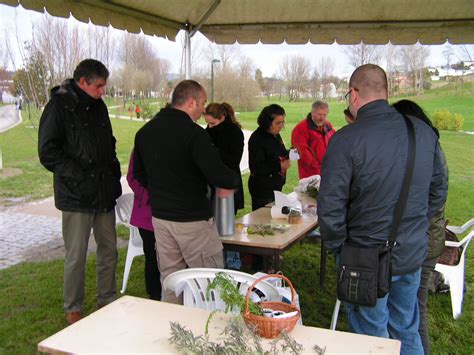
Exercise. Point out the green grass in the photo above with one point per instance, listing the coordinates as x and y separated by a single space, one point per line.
31 294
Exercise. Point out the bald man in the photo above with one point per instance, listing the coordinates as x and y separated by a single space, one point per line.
362 175
176 161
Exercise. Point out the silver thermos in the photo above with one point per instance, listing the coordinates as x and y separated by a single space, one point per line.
224 213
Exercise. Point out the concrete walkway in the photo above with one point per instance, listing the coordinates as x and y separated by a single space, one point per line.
32 232
9 117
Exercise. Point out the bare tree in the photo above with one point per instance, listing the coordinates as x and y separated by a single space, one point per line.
100 43
142 70
325 70
60 44
392 65
414 58
4 55
265 84
362 53
315 84
465 52
235 82
295 71
448 55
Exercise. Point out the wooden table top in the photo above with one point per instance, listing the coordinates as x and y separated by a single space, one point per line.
277 241
138 325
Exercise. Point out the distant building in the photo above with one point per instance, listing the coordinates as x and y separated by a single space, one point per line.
443 73
6 82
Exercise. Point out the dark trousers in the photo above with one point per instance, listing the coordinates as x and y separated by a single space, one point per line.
258 201
426 270
152 274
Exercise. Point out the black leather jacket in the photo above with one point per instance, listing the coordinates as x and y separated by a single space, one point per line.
362 174
265 151
76 143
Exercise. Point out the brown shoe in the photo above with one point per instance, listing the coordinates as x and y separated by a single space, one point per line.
73 317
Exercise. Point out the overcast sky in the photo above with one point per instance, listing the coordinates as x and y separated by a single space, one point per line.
265 57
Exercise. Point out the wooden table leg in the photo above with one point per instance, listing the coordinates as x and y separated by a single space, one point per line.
322 265
276 260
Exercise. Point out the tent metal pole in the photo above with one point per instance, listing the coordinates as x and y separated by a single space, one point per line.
187 51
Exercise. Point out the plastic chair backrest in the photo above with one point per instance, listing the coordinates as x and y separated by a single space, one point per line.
463 228
124 208
464 243
193 283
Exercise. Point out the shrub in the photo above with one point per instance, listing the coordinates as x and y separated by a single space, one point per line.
445 120
148 111
458 121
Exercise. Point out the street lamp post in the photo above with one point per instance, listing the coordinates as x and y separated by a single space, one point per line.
212 78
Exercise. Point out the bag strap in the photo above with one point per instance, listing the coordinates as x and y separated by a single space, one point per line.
402 200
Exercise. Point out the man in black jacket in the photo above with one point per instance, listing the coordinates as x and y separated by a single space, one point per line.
361 180
176 161
76 143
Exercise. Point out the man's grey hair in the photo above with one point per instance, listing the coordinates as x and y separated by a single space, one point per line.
317 104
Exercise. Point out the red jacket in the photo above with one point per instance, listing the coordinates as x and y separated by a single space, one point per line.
311 142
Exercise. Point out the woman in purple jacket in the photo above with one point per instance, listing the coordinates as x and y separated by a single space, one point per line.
141 218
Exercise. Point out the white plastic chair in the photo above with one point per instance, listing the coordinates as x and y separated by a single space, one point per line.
335 315
123 210
193 284
454 274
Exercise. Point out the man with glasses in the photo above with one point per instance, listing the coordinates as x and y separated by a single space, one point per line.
176 161
311 137
362 176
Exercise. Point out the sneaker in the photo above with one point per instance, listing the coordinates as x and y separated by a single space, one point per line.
73 317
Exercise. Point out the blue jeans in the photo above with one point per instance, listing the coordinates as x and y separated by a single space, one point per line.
396 315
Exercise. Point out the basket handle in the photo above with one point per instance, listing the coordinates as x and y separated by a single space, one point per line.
284 278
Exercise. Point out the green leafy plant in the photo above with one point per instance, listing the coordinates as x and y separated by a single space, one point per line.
445 120
312 191
230 294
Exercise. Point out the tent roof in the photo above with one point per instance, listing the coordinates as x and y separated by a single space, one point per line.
275 21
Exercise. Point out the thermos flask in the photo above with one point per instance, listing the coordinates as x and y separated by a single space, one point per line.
224 213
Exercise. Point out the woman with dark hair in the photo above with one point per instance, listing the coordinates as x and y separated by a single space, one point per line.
268 157
436 233
227 136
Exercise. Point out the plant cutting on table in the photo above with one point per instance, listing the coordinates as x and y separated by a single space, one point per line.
267 229
309 186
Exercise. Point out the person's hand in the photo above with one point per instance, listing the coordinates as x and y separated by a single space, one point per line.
223 193
285 165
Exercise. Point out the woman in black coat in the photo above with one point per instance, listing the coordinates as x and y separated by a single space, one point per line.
268 157
227 136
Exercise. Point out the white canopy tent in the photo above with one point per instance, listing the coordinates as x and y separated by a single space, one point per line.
277 21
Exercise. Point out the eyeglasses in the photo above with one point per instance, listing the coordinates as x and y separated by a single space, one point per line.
279 124
346 96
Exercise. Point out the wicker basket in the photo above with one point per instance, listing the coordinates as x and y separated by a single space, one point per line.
271 327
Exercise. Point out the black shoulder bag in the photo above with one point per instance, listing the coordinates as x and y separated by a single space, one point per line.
365 273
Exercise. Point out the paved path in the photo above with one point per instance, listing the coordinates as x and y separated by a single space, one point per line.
9 117
32 232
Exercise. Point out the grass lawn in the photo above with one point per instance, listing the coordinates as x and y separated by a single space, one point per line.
31 294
